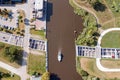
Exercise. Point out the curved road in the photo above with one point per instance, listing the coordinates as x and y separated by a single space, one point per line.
61 23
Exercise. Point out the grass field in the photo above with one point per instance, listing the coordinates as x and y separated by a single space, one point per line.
89 65
111 39
36 63
111 63
37 32
6 60
16 77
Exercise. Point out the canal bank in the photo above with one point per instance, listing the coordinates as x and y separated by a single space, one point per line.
62 28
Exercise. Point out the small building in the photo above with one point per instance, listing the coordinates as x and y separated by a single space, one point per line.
38 5
39 8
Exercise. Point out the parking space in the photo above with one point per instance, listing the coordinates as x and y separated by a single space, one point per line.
37 44
4 37
11 39
16 40
86 51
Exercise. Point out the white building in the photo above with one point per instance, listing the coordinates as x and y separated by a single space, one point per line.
39 8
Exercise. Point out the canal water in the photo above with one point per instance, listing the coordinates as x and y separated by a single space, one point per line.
62 28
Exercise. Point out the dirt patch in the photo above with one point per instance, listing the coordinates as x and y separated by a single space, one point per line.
89 65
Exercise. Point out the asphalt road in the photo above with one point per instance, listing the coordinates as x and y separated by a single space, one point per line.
61 23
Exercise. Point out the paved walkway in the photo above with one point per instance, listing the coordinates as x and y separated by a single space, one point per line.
87 9
100 67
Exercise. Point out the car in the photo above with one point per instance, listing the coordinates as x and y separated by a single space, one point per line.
59 56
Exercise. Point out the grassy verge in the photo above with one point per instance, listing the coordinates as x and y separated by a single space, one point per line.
89 65
111 40
111 63
5 59
40 33
16 77
36 63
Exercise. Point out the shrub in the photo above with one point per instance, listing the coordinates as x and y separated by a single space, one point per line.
45 76
84 73
2 45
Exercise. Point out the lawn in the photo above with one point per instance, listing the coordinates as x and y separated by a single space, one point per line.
36 63
16 77
111 63
111 39
38 32
6 59
89 65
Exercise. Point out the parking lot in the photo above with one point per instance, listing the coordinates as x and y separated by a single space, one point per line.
86 51
10 23
104 52
4 37
16 40
37 44
11 39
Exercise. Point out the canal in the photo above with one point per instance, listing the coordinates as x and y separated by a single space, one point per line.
61 24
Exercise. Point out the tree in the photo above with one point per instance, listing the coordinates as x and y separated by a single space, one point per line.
45 76
98 6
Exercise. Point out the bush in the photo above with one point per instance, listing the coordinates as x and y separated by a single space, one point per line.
45 76
84 73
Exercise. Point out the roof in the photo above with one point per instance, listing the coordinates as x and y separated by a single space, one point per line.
38 4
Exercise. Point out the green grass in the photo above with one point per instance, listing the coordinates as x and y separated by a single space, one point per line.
16 77
37 32
110 3
111 39
36 63
6 59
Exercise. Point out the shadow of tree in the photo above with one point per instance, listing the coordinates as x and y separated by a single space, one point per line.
54 77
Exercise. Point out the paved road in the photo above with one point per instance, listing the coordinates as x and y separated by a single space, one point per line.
60 34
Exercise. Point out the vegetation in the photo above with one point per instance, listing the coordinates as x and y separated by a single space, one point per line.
90 33
99 6
110 63
5 13
45 76
11 55
111 40
89 66
36 64
41 33
6 75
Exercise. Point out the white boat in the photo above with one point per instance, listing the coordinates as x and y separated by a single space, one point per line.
59 56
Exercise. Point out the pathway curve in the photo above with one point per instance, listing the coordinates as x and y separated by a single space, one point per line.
100 67
98 64
104 32
97 20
